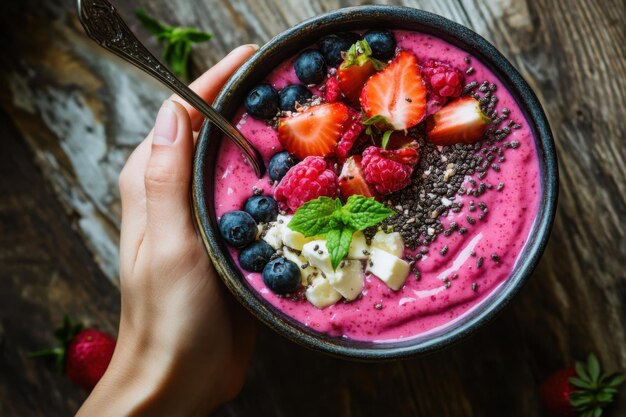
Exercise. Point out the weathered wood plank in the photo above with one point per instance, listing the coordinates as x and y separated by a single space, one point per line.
81 112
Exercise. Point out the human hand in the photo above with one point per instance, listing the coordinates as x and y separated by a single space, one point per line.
184 345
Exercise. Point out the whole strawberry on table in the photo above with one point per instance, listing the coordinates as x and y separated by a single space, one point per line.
579 390
84 354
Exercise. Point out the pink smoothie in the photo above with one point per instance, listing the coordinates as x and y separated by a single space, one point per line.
429 303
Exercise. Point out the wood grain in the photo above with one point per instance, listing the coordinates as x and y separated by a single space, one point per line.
77 114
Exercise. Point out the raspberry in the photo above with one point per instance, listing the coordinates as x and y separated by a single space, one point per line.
354 127
306 181
332 92
443 81
389 171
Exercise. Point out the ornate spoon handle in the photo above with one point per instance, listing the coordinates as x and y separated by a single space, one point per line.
105 26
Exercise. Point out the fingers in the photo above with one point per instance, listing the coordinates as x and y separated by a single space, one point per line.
167 177
209 84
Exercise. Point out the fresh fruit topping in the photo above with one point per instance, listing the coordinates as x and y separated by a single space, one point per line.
382 42
443 82
262 102
332 92
306 181
391 269
352 130
262 208
310 67
238 228
389 170
326 217
356 68
398 140
579 391
352 180
292 94
279 164
84 354
281 276
315 131
321 294
254 257
333 45
396 95
461 120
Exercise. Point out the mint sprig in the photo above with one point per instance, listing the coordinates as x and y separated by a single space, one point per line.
177 41
327 217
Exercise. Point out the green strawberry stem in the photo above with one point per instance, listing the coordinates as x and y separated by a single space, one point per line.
64 334
595 390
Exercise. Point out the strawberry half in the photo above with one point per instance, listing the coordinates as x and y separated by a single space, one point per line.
313 132
459 121
356 68
396 94
352 180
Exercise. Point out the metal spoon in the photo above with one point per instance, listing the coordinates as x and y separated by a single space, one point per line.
105 26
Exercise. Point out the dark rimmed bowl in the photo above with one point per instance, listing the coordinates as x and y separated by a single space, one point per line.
286 45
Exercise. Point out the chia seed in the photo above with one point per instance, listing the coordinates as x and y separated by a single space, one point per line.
444 250
479 261
500 186
474 287
495 258
378 306
469 71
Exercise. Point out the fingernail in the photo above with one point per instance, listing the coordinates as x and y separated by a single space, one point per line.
166 125
252 46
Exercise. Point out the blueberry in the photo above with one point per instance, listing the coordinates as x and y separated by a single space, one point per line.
254 257
262 208
382 42
310 67
288 96
281 276
280 164
262 102
238 228
333 45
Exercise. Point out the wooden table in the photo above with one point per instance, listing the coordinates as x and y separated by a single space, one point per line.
71 114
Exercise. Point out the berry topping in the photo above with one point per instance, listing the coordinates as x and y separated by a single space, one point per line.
352 130
333 45
280 164
306 181
238 228
356 68
315 131
442 81
352 180
382 42
254 257
281 276
459 121
310 67
396 94
262 208
389 171
332 92
292 94
262 102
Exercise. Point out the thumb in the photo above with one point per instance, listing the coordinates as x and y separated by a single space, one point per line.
168 174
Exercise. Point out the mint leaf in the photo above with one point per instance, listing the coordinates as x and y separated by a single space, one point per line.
316 217
154 26
363 212
338 244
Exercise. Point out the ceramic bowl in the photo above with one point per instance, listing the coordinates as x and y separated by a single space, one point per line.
291 42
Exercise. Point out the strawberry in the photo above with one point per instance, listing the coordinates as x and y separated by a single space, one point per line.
84 354
581 390
459 121
396 95
314 131
352 180
357 66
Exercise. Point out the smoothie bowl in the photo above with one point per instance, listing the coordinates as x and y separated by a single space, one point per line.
411 185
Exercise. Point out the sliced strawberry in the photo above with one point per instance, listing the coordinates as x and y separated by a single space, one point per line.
396 94
352 129
400 140
313 132
332 93
352 180
459 121
356 68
